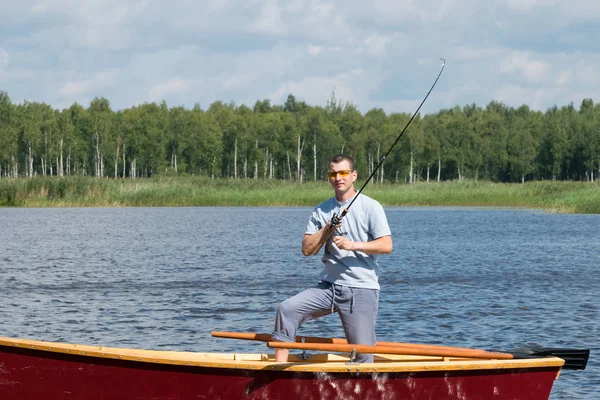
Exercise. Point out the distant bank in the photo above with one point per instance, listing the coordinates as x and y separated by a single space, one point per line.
76 191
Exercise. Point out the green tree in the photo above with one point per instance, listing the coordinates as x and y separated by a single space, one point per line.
230 125
271 129
554 144
8 138
49 148
458 133
351 130
290 105
432 145
29 122
474 142
79 147
591 116
178 130
204 150
246 127
151 124
116 143
101 116
494 142
324 138
522 147
375 139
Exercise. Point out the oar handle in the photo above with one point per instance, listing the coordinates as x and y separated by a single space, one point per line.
406 350
262 337
266 337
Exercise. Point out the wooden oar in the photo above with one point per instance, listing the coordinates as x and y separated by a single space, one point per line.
266 337
574 358
398 349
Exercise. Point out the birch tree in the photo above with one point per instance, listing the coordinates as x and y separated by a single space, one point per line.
8 138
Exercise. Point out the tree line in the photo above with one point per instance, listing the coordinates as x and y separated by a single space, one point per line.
295 141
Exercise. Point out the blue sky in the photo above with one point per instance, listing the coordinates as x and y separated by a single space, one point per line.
380 53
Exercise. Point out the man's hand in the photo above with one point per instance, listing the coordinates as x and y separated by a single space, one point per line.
343 244
311 244
382 245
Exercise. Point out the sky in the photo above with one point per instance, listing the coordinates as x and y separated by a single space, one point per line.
374 54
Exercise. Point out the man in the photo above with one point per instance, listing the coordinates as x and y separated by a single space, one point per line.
349 281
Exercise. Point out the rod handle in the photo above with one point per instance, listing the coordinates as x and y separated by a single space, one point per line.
324 238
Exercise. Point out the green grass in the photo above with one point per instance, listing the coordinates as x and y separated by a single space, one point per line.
553 196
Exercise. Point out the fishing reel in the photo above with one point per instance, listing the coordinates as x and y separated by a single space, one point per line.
335 221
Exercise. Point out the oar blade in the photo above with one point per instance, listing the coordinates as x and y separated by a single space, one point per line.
574 358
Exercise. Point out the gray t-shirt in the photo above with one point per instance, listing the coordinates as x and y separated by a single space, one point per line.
364 222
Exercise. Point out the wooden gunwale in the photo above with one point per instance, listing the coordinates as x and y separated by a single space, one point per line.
317 363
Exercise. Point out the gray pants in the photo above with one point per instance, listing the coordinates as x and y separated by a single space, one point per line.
357 308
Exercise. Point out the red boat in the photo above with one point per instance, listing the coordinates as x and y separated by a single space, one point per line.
44 370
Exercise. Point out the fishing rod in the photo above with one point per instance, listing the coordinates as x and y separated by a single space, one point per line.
335 220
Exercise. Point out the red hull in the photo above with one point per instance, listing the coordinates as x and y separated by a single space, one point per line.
34 374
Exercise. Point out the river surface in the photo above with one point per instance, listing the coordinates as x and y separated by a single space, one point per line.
164 278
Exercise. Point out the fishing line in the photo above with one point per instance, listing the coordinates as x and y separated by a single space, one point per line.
397 139
335 220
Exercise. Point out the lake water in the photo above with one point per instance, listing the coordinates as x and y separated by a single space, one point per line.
164 278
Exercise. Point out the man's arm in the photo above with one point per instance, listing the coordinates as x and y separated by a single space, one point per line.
310 242
381 245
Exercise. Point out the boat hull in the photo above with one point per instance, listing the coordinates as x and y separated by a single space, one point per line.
38 374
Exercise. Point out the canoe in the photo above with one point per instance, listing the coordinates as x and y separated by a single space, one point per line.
31 369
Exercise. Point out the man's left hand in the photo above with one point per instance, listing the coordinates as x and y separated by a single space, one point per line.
343 244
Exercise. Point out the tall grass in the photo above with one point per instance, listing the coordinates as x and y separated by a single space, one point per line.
555 196
564 197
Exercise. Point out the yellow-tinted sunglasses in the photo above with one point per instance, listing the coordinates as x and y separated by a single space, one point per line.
343 173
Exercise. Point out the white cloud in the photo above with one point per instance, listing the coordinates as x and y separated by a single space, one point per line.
587 73
322 9
531 51
84 87
269 19
376 44
549 15
3 59
313 50
528 5
581 74
429 12
74 89
472 54
564 78
109 24
520 62
535 98
239 81
216 5
171 86
317 90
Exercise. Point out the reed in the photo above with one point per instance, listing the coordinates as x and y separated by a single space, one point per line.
77 191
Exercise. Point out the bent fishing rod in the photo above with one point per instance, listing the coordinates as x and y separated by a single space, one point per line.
335 220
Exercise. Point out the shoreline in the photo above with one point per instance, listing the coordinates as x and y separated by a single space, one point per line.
190 191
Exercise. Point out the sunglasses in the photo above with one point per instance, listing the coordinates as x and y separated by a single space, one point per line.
343 173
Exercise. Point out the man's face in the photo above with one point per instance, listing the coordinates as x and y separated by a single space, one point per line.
341 176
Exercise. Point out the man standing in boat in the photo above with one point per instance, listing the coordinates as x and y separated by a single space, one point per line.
349 280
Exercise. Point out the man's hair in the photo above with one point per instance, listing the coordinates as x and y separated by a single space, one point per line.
343 157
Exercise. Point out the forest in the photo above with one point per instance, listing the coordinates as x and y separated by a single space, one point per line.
294 141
